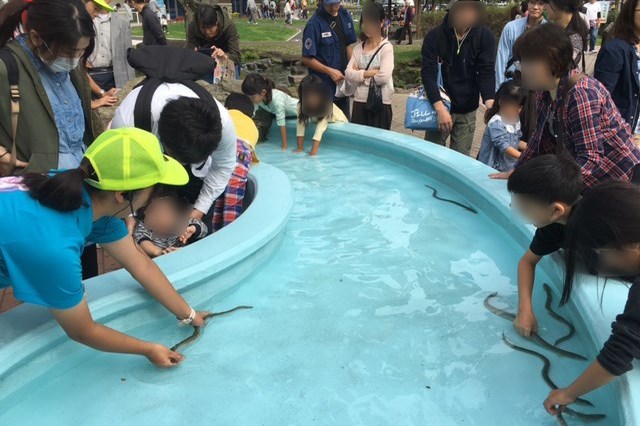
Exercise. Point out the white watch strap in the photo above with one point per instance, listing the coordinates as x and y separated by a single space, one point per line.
188 320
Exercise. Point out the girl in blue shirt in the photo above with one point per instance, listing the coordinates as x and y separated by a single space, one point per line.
48 218
501 145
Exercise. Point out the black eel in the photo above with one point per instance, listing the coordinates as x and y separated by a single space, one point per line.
446 200
534 336
557 316
196 329
560 419
545 368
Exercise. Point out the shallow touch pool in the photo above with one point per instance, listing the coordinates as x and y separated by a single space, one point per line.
369 313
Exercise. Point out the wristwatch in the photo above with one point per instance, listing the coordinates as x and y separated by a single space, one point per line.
189 319
102 92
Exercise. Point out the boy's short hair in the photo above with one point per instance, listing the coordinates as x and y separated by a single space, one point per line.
240 102
190 129
549 179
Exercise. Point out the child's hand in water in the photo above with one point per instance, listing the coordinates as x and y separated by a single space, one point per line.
526 323
187 234
163 357
557 400
199 319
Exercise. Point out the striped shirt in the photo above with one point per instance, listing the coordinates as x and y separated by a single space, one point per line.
142 233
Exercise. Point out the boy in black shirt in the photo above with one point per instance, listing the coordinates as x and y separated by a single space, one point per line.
543 190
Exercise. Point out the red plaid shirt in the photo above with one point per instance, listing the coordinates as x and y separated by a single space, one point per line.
595 133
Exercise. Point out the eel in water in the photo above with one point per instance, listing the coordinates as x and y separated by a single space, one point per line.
534 336
196 329
560 419
545 368
557 316
446 200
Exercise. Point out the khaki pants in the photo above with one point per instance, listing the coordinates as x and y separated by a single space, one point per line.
464 126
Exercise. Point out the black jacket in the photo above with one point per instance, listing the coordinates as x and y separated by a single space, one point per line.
151 29
624 344
467 74
227 39
617 68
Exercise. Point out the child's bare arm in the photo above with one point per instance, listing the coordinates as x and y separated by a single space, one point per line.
283 136
512 152
151 249
522 145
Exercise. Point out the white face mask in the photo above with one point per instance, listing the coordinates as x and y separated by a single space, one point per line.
60 65
67 65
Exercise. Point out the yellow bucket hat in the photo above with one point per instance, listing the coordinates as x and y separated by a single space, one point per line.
129 159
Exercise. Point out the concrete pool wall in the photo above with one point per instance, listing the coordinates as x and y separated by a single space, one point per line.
29 338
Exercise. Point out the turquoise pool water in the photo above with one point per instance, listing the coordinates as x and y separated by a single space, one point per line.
370 313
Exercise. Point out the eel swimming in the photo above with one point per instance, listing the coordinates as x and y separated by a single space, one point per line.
557 316
583 416
560 419
446 200
196 329
534 336
545 368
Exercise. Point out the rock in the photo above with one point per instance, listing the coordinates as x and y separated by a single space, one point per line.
295 79
251 67
297 70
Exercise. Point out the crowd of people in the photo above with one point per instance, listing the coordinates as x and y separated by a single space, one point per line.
174 163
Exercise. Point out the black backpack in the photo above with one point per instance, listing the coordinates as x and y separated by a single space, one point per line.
165 64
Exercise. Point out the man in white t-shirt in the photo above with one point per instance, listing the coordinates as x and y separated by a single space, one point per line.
593 11
192 131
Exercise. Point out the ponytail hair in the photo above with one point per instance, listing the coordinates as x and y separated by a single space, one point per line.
62 191
509 91
60 23
255 83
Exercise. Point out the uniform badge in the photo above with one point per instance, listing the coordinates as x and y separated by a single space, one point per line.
308 43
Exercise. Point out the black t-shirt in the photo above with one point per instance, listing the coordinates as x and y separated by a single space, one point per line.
548 239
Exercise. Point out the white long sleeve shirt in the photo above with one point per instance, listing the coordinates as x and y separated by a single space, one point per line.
218 168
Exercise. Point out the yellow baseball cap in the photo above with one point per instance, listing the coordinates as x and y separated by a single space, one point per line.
103 4
129 159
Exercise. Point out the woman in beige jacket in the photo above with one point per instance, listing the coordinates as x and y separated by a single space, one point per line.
378 52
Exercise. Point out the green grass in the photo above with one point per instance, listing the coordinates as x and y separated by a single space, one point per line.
264 31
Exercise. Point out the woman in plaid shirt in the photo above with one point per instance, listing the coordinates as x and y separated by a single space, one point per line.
595 134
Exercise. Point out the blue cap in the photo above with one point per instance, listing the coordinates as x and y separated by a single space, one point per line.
331 1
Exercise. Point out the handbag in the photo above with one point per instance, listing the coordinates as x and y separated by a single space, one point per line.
374 98
420 113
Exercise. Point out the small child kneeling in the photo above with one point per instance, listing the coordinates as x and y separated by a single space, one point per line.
164 226
501 145
316 102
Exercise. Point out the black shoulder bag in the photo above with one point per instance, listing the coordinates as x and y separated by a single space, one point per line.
374 99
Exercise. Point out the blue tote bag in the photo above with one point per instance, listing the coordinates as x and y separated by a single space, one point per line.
420 114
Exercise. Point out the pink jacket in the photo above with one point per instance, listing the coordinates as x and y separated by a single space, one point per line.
383 62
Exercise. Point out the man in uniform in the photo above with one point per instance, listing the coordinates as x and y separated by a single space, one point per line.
327 45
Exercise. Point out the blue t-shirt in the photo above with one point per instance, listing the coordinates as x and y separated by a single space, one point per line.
40 247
